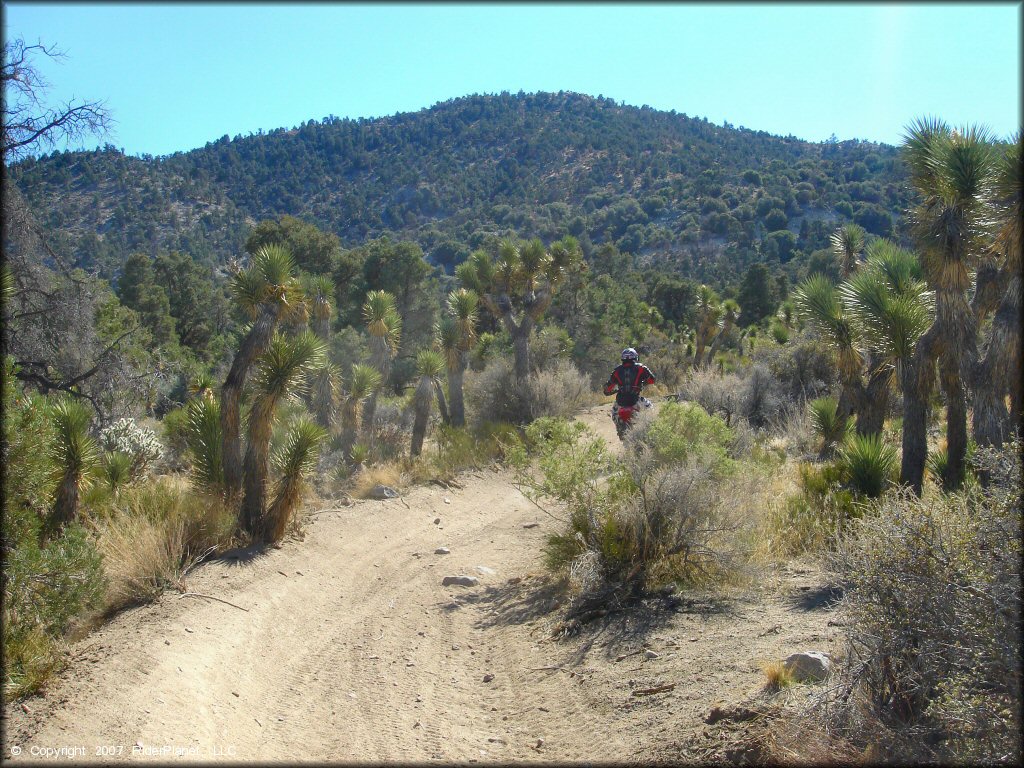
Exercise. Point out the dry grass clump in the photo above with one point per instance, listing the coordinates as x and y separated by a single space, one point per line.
777 676
495 395
152 533
391 473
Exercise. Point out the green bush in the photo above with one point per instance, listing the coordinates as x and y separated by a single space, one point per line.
933 600
46 587
682 431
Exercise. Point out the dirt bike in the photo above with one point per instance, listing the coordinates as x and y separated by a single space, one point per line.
622 415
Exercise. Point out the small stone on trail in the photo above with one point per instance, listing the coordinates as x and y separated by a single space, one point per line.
455 647
649 654
188 630
442 551
416 724
488 677
530 525
460 581
539 744
382 492
167 642
437 521
447 500
485 570
234 693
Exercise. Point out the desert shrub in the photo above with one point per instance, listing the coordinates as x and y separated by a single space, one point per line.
867 464
681 431
762 397
933 599
658 516
803 367
779 332
557 393
715 393
493 394
392 430
141 444
175 429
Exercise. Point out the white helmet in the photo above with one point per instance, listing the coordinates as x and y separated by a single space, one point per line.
630 354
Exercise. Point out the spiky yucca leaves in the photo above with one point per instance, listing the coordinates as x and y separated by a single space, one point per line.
429 365
203 437
74 454
268 292
202 385
280 373
848 245
7 287
817 300
364 381
824 416
868 464
730 314
953 170
296 460
889 303
116 469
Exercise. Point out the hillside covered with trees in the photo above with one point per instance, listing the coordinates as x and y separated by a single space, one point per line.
701 199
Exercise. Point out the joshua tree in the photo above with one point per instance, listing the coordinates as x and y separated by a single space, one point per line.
75 457
365 380
267 292
709 311
295 461
323 393
456 335
320 289
280 371
952 171
429 365
818 301
999 373
891 308
518 287
730 314
848 245
385 327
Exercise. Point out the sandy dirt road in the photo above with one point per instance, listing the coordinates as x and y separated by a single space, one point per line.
350 649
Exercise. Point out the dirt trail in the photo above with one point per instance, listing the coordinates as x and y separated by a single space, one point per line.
350 649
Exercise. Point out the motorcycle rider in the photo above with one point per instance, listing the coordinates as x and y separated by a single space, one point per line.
627 381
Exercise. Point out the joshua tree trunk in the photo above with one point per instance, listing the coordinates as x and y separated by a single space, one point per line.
254 503
999 374
916 380
874 400
956 423
521 348
442 403
65 507
424 394
456 377
254 344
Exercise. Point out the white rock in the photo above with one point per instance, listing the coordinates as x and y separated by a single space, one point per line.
809 665
460 581
485 570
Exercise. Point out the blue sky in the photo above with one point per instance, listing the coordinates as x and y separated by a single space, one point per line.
176 76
